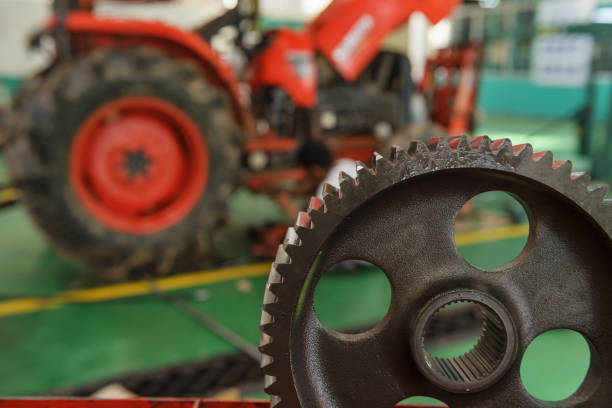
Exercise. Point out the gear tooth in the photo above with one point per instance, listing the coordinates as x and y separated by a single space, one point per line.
398 154
485 144
453 142
267 329
269 382
597 194
266 359
412 148
363 171
442 146
275 288
284 269
476 141
303 221
272 308
329 190
364 174
269 297
523 150
266 319
345 180
503 148
375 158
281 257
581 177
272 386
316 204
264 338
382 166
290 249
562 171
432 144
360 166
544 157
544 163
274 276
422 150
291 238
331 196
464 144
316 217
275 402
498 144
266 345
304 233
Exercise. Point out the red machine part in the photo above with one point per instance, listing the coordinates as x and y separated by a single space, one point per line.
349 33
90 32
150 165
129 403
288 63
141 403
356 147
450 84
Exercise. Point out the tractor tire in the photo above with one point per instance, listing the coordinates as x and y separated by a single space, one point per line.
126 159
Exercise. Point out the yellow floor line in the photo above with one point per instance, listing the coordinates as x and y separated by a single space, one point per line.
8 194
495 234
129 289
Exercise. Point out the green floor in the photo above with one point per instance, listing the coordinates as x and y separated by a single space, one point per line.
81 342
76 343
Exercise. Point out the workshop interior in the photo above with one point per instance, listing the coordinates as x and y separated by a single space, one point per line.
305 203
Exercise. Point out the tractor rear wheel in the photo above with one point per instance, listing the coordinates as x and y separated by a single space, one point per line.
126 159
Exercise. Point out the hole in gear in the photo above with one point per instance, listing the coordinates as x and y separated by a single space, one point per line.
485 218
353 305
422 401
556 364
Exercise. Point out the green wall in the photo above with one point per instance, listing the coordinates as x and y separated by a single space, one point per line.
518 95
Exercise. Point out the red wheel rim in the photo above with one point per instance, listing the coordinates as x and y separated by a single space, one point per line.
139 164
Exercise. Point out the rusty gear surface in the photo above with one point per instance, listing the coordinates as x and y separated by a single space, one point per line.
399 215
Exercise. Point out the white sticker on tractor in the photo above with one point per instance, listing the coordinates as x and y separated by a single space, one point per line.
353 38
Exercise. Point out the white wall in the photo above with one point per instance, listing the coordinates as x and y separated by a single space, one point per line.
18 20
292 10
187 14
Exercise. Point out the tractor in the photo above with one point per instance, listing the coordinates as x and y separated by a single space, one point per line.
128 145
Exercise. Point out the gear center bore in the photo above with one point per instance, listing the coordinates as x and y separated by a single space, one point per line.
136 163
486 362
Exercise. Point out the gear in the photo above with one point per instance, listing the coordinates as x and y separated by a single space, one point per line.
562 279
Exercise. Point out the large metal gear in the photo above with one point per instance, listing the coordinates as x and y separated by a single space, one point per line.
399 215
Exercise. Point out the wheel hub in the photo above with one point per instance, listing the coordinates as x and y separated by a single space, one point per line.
139 164
136 163
486 362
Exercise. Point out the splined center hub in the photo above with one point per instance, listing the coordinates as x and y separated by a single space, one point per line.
137 163
486 362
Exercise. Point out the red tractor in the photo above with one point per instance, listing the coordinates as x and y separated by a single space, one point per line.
128 146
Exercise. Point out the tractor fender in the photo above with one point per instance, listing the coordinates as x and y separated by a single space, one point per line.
350 32
287 61
89 32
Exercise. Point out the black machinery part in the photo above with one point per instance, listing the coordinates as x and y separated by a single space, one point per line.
399 215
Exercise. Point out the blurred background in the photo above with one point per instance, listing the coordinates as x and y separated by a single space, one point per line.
121 254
